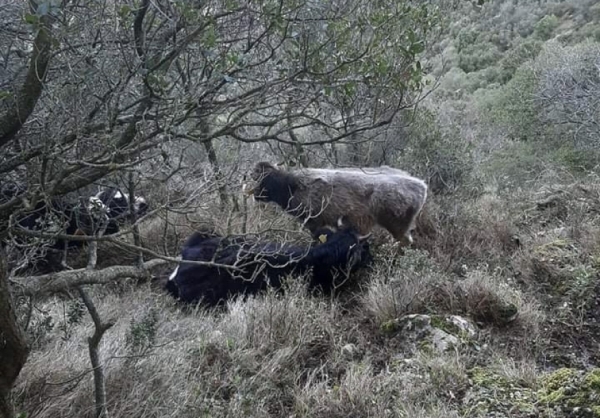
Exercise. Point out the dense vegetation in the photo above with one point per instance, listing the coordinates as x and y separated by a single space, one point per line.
495 309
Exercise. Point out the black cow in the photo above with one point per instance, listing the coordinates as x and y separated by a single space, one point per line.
262 264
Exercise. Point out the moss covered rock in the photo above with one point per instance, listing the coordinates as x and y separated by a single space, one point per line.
437 333
574 393
494 395
562 393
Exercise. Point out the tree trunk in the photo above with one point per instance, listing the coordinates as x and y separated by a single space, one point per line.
25 100
13 347
93 343
214 162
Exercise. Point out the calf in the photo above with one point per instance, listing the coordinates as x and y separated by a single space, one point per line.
260 264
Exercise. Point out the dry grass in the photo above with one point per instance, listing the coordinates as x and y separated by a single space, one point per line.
458 233
297 355
421 286
272 355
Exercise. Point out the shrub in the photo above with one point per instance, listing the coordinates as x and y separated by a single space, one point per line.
512 106
567 92
478 56
544 28
524 51
439 156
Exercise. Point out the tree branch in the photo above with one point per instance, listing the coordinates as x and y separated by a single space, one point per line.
65 280
29 93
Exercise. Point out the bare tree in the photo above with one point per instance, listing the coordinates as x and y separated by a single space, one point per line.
568 92
96 90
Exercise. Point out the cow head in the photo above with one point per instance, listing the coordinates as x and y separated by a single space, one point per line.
359 253
259 173
269 184
118 203
324 233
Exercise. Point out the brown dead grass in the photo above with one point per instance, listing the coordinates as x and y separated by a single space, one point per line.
272 355
298 355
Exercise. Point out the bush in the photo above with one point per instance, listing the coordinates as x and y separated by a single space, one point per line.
544 28
439 156
478 56
512 106
524 51
567 91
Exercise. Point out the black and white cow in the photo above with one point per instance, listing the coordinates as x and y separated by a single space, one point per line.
118 203
261 264
59 216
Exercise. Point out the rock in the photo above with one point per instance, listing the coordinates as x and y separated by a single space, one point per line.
442 341
350 351
464 326
440 333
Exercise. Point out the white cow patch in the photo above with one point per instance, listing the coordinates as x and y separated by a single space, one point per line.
118 195
96 204
172 276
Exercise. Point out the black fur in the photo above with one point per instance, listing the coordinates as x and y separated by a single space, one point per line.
262 263
118 204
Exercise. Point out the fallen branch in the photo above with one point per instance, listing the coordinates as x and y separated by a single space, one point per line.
65 280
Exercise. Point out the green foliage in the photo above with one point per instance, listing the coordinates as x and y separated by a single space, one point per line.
416 261
572 392
478 56
142 333
392 35
512 106
75 311
509 166
575 160
495 395
524 51
441 157
567 91
544 28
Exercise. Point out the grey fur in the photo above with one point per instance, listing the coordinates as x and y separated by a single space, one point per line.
365 197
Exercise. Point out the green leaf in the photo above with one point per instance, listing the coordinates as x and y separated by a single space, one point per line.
124 11
417 47
31 18
350 88
210 37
